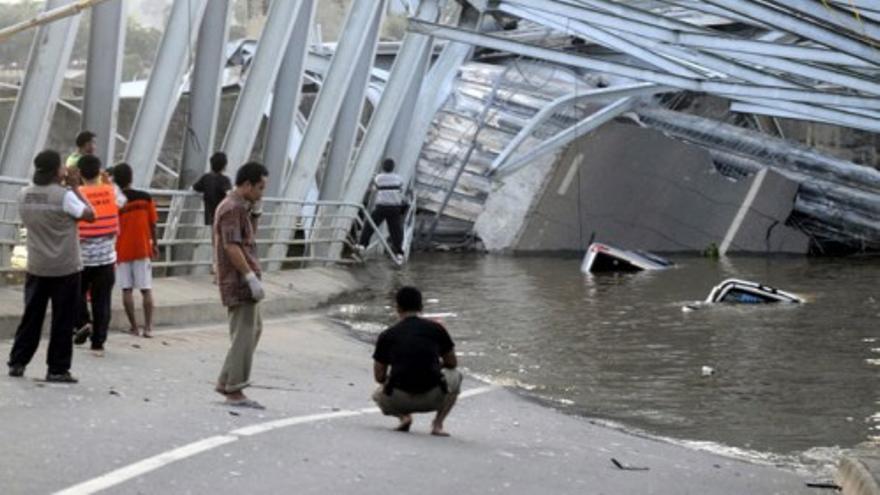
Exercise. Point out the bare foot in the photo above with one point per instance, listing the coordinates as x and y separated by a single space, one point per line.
405 423
437 430
148 333
133 331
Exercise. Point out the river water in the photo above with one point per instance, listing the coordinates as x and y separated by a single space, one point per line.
791 385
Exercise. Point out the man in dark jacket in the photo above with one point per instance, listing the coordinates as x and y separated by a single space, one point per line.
422 359
213 186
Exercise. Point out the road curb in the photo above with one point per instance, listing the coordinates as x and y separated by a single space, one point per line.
857 474
196 300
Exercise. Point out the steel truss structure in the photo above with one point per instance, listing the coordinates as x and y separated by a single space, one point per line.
454 116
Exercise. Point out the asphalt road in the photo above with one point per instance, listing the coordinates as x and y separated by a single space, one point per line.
144 419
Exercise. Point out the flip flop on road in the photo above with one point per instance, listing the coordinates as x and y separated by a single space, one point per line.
247 403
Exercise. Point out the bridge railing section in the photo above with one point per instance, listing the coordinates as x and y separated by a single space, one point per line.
185 243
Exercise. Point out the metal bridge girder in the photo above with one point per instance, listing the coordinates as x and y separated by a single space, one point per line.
103 73
404 73
244 125
331 97
32 114
205 87
286 98
163 89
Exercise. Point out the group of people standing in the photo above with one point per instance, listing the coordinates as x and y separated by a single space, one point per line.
88 229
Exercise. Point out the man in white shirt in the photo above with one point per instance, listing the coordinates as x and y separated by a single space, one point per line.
389 205
50 212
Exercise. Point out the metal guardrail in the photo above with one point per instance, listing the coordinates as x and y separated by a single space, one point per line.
185 242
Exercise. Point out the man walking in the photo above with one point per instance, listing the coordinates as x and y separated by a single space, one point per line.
422 359
98 247
238 276
213 185
136 246
50 212
389 204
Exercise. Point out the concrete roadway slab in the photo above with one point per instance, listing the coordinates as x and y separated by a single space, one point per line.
149 397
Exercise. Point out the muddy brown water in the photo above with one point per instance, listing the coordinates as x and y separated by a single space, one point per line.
791 384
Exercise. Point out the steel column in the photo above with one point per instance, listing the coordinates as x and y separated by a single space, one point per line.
285 98
787 22
32 114
104 71
349 120
163 89
568 100
254 97
404 73
728 89
401 132
434 92
566 136
330 98
205 88
840 18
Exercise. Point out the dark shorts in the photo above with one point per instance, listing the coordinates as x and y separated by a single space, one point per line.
400 402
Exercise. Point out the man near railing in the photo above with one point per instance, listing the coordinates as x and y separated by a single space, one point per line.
50 212
86 144
213 185
389 208
238 276
136 247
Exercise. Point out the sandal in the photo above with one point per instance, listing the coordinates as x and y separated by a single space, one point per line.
247 403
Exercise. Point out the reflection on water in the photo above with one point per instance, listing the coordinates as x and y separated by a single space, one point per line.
787 378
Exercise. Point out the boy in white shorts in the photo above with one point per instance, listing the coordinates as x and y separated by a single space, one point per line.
136 246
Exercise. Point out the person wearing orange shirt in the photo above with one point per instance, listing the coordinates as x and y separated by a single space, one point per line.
136 246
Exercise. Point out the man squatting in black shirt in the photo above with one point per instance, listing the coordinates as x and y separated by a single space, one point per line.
422 359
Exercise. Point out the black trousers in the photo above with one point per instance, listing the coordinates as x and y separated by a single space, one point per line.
392 216
97 281
38 291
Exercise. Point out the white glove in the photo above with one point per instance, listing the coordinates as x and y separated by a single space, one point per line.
255 285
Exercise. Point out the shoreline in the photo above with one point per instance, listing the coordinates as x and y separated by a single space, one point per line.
789 462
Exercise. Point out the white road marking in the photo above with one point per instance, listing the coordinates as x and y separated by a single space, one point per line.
145 466
296 420
149 464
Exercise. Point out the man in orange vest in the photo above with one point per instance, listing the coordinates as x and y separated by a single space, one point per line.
98 249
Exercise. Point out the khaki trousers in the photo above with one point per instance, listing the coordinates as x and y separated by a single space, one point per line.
245 326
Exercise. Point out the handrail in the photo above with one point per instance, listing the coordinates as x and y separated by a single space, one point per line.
177 231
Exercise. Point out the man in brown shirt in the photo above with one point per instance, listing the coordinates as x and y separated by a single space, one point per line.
238 276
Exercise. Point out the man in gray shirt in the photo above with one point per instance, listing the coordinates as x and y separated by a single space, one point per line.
50 212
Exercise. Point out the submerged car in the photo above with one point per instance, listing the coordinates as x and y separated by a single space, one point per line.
737 291
605 258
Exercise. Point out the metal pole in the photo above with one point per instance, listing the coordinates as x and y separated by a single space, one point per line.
254 98
50 15
101 102
285 98
800 27
35 105
163 89
403 74
320 126
205 88
434 92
